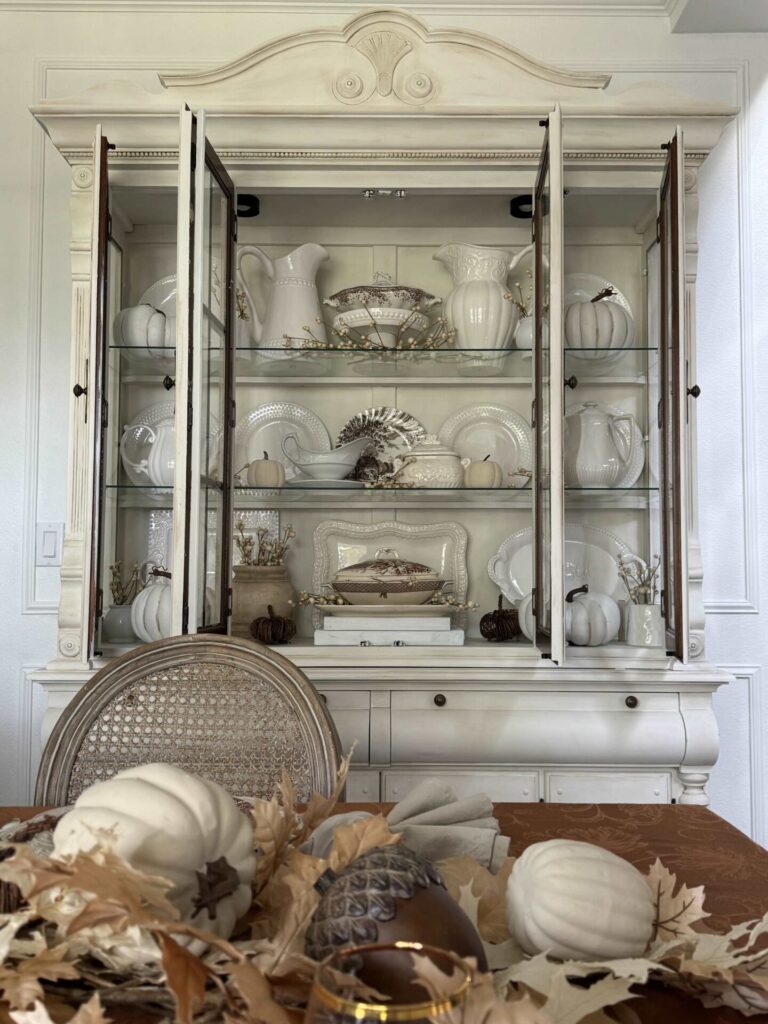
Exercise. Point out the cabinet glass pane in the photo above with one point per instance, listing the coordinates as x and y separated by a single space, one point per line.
213 393
614 508
542 376
139 437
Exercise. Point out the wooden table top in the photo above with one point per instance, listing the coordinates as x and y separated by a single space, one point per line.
694 843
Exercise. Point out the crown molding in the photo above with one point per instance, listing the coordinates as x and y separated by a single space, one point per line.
484 8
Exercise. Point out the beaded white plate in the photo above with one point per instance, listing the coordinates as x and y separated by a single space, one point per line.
266 427
477 431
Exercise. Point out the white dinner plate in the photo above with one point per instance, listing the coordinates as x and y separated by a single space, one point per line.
265 428
590 557
478 431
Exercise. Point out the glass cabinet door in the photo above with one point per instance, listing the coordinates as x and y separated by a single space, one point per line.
548 395
673 400
207 576
97 404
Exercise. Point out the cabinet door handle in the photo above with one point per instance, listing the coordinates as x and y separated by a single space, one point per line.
631 701
78 391
440 699
571 382
695 391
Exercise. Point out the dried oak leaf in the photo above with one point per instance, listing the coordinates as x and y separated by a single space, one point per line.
569 1004
675 911
491 891
351 841
256 993
88 1013
321 807
20 985
186 976
482 1004
274 825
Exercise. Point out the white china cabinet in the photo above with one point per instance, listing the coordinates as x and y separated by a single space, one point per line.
385 142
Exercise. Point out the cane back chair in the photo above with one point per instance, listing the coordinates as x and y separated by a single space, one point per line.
228 709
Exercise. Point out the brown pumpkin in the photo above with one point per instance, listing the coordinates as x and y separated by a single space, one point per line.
273 629
500 624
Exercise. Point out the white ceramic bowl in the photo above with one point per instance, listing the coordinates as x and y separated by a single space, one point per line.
382 324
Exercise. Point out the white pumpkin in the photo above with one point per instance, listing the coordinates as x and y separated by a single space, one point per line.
165 821
597 324
484 473
139 326
525 617
578 902
265 473
591 619
151 610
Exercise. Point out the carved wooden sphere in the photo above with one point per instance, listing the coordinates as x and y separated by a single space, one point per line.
390 894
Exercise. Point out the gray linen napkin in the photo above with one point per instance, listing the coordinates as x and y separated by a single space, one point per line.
435 823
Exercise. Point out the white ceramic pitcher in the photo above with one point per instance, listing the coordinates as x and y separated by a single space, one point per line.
293 303
596 452
478 308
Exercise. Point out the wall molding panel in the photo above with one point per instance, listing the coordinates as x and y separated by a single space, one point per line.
757 709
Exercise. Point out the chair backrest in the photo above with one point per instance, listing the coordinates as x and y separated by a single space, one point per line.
228 709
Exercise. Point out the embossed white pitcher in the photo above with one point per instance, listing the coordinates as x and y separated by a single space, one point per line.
477 308
293 303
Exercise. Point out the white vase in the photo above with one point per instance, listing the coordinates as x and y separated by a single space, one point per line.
645 627
524 333
477 308
595 451
116 625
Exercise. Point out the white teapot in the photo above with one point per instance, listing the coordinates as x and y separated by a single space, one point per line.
597 453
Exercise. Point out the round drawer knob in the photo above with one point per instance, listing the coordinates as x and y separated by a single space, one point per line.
364 789
657 792
395 791
441 700
631 701
525 792
559 792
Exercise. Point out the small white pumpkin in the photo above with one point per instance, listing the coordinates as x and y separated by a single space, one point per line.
578 901
598 323
151 610
591 619
265 473
485 473
165 821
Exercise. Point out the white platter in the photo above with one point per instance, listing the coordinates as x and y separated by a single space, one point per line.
441 546
161 295
399 610
266 427
480 430
315 485
636 463
590 557
583 288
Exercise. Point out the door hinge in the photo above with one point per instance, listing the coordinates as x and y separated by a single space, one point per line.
104 414
185 619
99 603
232 413
229 600
533 414
234 228
658 230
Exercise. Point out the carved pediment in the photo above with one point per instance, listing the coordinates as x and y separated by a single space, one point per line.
384 58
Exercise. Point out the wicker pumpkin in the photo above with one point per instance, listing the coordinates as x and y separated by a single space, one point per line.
165 821
578 902
500 624
273 629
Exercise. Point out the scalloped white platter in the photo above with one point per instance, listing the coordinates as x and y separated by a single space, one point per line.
590 557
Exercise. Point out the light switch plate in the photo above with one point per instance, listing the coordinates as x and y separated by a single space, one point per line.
49 539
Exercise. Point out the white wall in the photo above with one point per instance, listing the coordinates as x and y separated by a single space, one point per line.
732 315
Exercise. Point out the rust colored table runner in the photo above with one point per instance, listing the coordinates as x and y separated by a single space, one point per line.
697 845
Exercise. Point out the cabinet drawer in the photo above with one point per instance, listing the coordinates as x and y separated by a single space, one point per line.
545 727
363 787
350 710
608 788
501 786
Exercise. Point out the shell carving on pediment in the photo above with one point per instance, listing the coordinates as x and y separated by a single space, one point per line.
384 50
